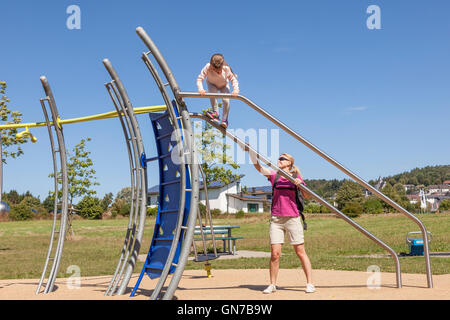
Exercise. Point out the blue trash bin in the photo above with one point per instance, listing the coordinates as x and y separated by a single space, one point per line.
416 244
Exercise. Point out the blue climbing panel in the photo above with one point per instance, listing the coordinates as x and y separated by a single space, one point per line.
169 197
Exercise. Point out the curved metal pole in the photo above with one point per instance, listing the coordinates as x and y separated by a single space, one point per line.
131 229
64 199
308 144
286 175
190 153
55 202
140 173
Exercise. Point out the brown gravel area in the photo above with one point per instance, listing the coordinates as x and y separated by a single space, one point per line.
247 285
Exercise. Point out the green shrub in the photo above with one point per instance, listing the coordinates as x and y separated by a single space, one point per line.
240 214
216 212
373 206
152 212
21 212
444 205
352 209
90 208
125 209
202 208
312 208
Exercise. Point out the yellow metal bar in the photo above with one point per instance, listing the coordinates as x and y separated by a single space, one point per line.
100 116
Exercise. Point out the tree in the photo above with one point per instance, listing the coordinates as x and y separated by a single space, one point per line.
373 205
396 193
49 202
81 175
125 194
349 192
352 209
8 136
216 165
106 201
90 208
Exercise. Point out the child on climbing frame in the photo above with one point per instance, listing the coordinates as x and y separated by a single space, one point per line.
217 73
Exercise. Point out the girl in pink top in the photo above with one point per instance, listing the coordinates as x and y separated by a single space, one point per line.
217 74
285 219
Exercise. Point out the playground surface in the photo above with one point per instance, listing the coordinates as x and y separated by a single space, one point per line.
246 285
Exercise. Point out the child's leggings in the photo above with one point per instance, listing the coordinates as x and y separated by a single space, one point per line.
215 104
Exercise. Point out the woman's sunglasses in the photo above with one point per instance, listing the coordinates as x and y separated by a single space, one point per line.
283 158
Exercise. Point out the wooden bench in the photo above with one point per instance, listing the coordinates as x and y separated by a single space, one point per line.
221 232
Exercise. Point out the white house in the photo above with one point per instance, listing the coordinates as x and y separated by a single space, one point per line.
225 197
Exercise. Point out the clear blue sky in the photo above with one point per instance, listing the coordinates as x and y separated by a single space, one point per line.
378 101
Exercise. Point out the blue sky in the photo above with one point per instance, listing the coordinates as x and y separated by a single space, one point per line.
377 101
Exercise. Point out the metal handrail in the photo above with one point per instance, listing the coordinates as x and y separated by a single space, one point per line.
308 144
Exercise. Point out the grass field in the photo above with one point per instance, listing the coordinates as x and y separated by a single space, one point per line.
330 242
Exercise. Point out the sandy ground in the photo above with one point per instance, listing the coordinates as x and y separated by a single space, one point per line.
246 285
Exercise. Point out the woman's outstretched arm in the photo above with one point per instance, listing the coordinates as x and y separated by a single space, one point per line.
254 158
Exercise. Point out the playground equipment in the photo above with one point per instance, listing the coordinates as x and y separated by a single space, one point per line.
179 100
55 131
179 181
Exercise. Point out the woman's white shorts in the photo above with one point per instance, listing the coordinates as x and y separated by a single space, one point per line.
279 226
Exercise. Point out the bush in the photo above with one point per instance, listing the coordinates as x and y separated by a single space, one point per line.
216 212
444 205
117 206
21 212
312 208
352 209
240 214
152 211
90 208
202 208
125 209
373 206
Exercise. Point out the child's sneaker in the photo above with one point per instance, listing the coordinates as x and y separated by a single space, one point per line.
270 289
224 124
310 288
214 116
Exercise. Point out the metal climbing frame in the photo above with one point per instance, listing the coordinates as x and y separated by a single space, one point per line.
190 158
138 209
340 167
55 252
205 256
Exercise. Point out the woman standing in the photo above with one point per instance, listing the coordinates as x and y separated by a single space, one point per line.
285 219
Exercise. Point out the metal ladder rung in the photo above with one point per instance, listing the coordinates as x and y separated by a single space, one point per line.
165 115
171 182
169 211
164 136
152 159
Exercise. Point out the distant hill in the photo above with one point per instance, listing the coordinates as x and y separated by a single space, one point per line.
430 175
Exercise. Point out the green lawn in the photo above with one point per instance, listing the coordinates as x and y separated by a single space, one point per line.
330 243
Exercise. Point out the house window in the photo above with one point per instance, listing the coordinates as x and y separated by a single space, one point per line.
252 207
